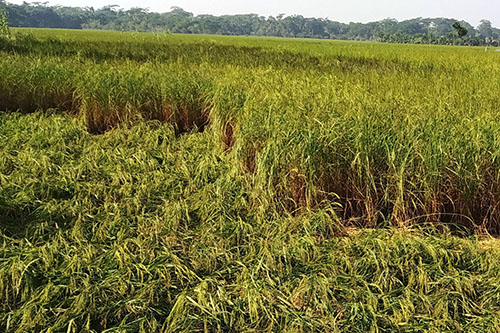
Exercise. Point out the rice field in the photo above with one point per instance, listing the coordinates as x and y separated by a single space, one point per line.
181 183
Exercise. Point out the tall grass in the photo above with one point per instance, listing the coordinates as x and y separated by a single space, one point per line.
110 97
367 132
221 191
140 230
38 83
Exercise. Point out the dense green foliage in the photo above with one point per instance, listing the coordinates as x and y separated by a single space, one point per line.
155 182
4 25
419 30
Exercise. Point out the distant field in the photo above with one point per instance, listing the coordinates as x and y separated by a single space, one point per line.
154 182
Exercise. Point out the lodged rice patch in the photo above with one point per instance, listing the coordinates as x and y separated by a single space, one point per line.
228 175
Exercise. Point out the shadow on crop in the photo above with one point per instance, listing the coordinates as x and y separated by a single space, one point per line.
24 221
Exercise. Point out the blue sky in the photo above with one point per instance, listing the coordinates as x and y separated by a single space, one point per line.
338 10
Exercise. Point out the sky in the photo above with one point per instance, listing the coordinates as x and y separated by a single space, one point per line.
336 10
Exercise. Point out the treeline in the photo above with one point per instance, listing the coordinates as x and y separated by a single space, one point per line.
419 30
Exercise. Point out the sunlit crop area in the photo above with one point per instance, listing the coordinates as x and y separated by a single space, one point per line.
153 182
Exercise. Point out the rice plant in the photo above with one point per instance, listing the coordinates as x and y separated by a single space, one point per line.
198 183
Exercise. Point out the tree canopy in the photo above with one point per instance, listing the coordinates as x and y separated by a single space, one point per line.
177 20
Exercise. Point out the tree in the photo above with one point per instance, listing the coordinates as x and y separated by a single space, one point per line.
178 11
177 20
486 32
4 25
459 29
